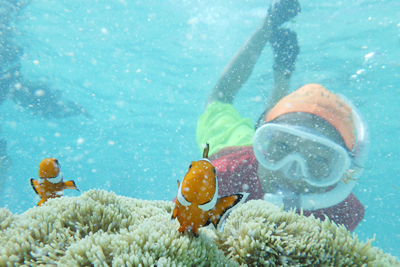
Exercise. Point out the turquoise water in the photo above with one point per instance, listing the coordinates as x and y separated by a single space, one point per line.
143 71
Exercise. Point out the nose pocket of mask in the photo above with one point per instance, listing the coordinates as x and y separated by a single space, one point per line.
292 170
295 168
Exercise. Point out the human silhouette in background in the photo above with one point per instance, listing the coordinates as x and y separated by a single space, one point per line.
38 97
308 147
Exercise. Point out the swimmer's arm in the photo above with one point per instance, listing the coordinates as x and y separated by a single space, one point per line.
286 50
44 100
279 91
239 68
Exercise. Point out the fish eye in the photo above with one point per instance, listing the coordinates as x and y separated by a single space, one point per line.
190 166
214 171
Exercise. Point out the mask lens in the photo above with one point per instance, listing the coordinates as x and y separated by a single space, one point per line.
300 154
320 160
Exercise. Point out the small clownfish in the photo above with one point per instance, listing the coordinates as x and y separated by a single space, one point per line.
197 203
50 184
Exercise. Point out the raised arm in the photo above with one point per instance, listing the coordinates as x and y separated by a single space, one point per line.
239 68
43 99
286 50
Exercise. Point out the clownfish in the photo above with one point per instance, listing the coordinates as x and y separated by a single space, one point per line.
197 203
50 184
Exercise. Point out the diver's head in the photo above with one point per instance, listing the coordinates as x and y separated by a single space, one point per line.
307 142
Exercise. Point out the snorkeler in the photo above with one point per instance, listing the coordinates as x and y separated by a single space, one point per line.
309 146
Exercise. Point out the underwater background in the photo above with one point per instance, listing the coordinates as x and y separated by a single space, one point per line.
143 71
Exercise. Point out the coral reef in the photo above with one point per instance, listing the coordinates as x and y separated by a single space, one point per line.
261 234
100 228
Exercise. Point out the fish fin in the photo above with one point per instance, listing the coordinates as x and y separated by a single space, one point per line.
36 187
195 231
70 185
43 200
208 222
225 204
175 213
205 152
176 198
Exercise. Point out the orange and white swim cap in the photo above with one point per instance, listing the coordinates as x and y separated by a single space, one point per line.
317 100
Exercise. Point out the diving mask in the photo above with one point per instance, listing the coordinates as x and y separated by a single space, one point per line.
301 154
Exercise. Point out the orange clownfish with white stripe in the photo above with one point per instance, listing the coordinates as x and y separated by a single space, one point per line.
197 203
50 184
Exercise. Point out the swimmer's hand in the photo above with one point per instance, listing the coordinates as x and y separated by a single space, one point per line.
286 50
282 11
